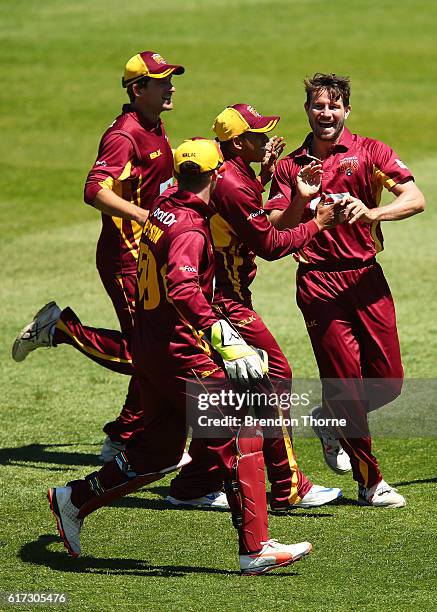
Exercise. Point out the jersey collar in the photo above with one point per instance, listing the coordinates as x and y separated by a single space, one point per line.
243 167
190 200
145 123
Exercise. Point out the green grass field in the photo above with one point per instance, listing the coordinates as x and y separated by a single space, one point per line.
61 64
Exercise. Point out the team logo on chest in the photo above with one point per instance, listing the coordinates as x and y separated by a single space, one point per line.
348 165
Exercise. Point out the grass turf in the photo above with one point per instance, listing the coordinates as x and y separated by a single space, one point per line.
62 62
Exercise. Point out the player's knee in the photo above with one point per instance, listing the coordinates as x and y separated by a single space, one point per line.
249 440
384 391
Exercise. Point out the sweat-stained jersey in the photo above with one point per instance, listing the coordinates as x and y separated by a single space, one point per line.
358 166
136 162
241 230
175 283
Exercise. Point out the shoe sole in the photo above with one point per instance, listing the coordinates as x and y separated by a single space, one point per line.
51 496
17 344
269 568
19 338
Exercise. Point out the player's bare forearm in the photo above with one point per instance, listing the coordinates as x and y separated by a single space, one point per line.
291 216
111 204
409 202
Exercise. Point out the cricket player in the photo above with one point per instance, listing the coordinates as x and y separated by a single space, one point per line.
241 231
177 337
341 290
133 166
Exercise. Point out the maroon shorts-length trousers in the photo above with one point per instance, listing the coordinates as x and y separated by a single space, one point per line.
351 321
288 483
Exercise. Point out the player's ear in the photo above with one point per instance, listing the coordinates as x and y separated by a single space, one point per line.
237 143
347 111
136 89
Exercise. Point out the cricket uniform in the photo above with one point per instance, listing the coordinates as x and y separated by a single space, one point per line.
341 290
240 231
174 296
135 161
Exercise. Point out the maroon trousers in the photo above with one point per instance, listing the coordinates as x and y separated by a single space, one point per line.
351 322
109 348
288 483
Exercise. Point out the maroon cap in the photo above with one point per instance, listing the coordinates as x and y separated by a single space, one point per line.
240 118
148 64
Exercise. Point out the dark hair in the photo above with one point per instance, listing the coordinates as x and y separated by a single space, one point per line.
141 82
190 178
336 86
189 167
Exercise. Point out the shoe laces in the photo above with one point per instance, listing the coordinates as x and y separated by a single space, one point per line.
273 543
32 334
386 489
213 496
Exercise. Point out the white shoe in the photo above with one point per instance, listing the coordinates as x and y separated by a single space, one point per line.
335 456
381 495
37 333
217 500
273 555
65 513
110 449
318 496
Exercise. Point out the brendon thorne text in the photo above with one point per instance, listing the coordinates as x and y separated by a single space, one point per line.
305 420
214 410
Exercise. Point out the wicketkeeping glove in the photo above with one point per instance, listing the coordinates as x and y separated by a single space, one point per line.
242 362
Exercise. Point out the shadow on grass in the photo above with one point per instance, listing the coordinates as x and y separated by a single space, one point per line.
159 504
413 482
46 453
299 513
39 553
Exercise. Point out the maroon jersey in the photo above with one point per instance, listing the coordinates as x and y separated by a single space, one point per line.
175 283
358 166
241 230
135 161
